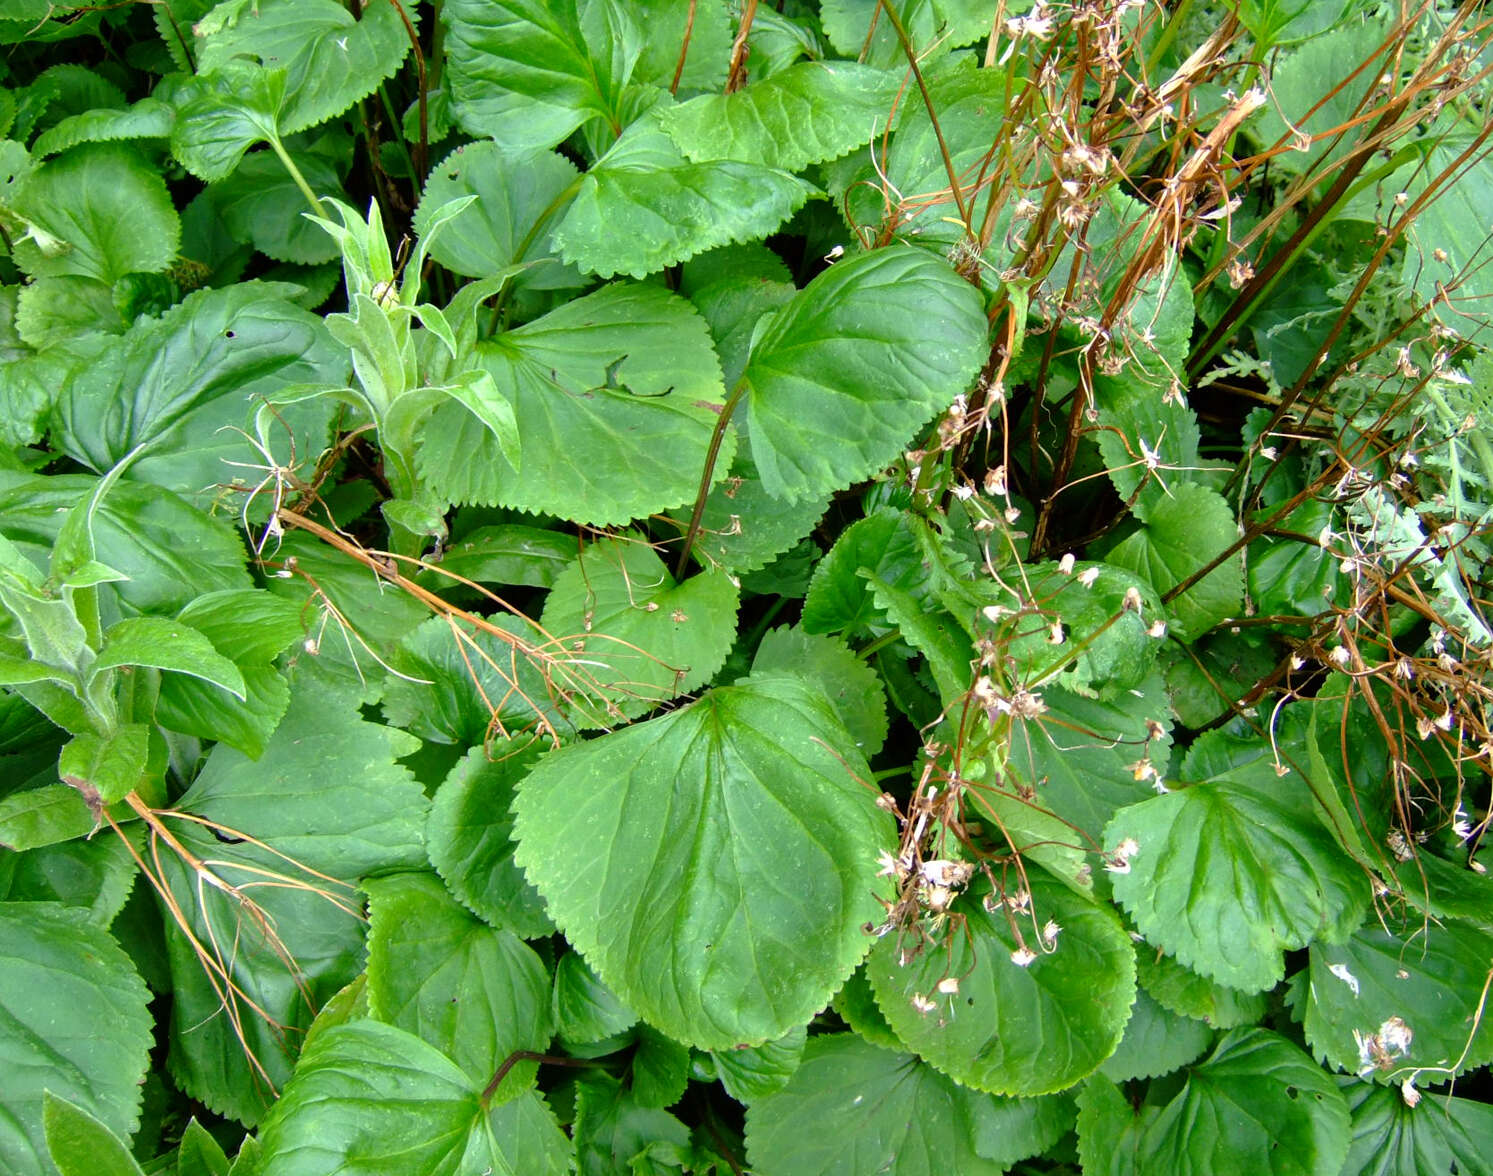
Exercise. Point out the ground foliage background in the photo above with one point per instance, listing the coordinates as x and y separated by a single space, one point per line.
657 586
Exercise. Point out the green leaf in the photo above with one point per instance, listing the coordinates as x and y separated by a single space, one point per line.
1185 532
812 111
199 1153
1225 878
36 817
222 115
1182 991
756 1071
849 23
475 993
866 353
532 72
470 838
1442 1135
330 59
372 1100
1266 1107
643 206
851 686
839 597
261 203
518 197
710 29
509 553
185 383
73 1021
642 637
106 767
168 645
149 118
108 207
662 850
933 633
1386 1005
853 1108
1029 1015
615 396
82 1146
586 1010
660 1068
615 1133
94 875
1156 1042
856 1004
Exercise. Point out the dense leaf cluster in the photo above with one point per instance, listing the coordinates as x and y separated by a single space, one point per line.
650 586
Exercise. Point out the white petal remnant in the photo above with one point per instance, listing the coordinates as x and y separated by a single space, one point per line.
1347 977
1379 1051
1022 957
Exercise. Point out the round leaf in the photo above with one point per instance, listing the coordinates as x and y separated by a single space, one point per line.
1013 1027
716 865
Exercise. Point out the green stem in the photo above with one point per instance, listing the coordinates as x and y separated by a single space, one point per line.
865 652
295 174
1168 35
404 149
540 221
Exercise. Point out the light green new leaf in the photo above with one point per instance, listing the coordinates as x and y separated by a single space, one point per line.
643 206
518 197
73 1021
1014 1027
641 637
1441 1136
330 58
1185 532
812 111
107 206
185 383
715 865
615 396
372 1100
167 645
470 838
852 1108
1257 1104
866 353
82 1146
530 72
475 993
200 1154
1381 1005
1225 878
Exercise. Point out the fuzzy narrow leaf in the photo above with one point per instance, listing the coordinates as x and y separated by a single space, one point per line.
372 1100
642 637
852 1107
1013 1027
1384 1005
106 767
475 993
73 1021
330 57
812 111
643 206
866 353
615 396
662 851
1225 878
530 72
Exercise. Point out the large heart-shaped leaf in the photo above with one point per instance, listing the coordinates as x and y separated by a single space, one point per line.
1268 1109
1227 877
852 1107
73 1020
715 865
372 1100
1025 1016
866 353
1442 1134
